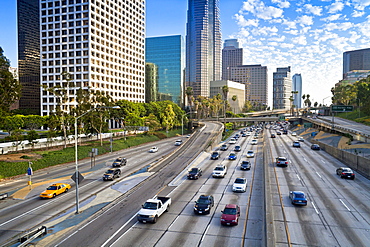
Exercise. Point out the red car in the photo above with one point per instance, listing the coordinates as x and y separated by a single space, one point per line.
230 215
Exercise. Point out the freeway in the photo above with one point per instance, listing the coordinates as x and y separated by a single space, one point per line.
25 210
337 213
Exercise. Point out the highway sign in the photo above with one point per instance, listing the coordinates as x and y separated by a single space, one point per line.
341 108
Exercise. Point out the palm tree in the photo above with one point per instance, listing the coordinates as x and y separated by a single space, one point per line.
189 93
234 98
225 91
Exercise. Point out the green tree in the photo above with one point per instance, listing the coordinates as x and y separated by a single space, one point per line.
32 135
10 88
168 118
12 123
34 121
189 94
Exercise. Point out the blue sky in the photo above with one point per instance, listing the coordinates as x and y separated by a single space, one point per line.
308 35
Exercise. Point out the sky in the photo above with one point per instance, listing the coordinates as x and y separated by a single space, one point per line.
308 35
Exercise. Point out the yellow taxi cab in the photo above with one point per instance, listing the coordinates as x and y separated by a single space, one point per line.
54 190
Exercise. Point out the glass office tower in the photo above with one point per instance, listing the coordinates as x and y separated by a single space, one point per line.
167 53
29 54
203 45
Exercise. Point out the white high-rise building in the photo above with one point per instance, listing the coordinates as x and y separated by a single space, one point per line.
100 43
282 88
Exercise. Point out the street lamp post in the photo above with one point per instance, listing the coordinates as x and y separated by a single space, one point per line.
182 121
76 153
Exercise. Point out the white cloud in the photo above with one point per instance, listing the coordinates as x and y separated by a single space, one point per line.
332 17
315 10
268 31
305 20
338 26
361 4
260 10
281 4
242 22
300 40
336 7
356 13
289 24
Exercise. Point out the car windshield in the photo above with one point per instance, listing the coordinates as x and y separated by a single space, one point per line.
282 159
239 181
215 154
232 154
219 169
245 162
52 187
110 171
202 201
299 195
231 211
150 205
194 170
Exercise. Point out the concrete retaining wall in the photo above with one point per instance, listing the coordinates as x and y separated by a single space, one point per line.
357 163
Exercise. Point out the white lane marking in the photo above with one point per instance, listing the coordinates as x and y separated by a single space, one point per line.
304 158
344 205
205 233
313 204
106 242
298 177
318 175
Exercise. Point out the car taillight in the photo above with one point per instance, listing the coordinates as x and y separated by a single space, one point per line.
286 163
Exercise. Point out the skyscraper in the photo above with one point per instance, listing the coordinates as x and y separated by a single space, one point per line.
203 45
99 43
297 87
167 53
282 88
29 54
356 60
256 82
232 55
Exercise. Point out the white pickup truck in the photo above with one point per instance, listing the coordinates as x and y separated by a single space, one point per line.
153 208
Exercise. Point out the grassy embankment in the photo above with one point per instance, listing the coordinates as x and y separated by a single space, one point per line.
356 116
65 155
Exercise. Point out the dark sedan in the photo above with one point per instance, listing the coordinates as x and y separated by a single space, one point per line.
345 172
215 155
315 147
245 165
238 148
195 173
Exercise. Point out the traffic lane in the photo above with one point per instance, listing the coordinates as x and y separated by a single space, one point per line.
107 233
299 228
23 217
321 193
68 169
183 198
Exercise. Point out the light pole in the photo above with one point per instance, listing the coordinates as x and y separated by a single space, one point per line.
76 153
182 121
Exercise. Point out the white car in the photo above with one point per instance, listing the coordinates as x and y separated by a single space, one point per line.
294 134
248 133
232 141
250 154
178 143
153 150
240 185
219 171
254 142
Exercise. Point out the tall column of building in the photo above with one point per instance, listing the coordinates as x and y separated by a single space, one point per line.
203 45
282 88
29 54
297 87
356 60
232 55
99 43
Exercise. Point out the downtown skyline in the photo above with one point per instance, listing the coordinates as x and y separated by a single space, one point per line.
309 36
